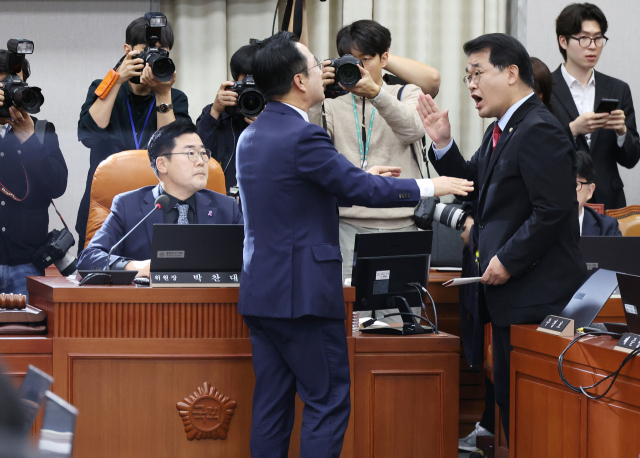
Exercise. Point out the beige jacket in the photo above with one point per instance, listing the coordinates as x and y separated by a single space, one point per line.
396 126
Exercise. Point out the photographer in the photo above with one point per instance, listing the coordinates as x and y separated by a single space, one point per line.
220 130
31 174
130 113
372 126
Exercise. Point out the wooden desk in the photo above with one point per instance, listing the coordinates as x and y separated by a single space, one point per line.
550 420
125 356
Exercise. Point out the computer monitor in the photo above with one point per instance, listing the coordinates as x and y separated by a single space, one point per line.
619 254
58 428
32 394
630 294
384 265
587 302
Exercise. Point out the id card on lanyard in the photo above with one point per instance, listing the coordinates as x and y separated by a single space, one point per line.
364 151
137 140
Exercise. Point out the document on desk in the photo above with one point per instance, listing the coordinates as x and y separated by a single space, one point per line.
461 281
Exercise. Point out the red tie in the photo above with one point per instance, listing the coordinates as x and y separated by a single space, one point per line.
496 135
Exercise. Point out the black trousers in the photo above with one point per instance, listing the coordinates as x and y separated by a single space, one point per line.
502 371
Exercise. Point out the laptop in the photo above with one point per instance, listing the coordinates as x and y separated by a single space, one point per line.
196 255
58 428
32 394
619 254
630 293
587 302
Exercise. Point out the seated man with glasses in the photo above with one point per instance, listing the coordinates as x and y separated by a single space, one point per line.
610 138
179 160
592 223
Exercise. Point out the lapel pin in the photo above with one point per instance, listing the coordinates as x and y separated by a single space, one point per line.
511 129
210 213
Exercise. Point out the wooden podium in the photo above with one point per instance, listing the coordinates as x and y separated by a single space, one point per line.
126 356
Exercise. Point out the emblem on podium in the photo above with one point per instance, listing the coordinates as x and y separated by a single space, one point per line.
206 414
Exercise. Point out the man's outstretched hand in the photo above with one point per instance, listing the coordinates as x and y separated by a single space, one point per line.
435 121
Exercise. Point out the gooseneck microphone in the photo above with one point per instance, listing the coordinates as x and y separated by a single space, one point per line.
161 201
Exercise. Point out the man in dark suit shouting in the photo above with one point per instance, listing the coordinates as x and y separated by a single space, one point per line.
291 178
524 179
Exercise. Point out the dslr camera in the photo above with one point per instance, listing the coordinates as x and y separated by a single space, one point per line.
430 210
158 59
347 73
250 99
16 92
56 251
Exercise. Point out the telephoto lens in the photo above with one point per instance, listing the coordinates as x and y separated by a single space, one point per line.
347 74
19 94
161 66
250 99
450 215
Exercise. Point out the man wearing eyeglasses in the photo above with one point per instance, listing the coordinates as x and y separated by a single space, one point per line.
180 161
611 138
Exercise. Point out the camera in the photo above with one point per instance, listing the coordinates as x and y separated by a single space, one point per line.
56 250
16 92
158 59
347 73
250 99
430 210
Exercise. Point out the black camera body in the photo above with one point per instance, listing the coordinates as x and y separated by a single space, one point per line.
430 210
250 99
158 59
16 92
56 250
347 73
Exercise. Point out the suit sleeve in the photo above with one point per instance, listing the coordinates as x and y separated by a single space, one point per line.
318 161
113 229
452 164
629 154
547 171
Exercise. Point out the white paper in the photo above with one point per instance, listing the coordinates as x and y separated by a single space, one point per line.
462 281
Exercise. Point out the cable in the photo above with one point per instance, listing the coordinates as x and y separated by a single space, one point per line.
275 15
419 287
613 375
233 153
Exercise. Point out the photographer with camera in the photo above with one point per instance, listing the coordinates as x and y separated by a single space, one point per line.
222 121
374 123
32 173
134 100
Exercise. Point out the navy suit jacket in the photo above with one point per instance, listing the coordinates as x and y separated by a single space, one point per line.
527 214
595 224
129 208
290 176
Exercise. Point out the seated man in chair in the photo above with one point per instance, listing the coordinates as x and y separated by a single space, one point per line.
179 160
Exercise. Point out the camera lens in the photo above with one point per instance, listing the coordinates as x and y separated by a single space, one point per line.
251 103
28 98
449 215
348 75
162 67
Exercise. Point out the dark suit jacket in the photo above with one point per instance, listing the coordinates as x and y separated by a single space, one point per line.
290 174
595 224
527 213
129 208
604 148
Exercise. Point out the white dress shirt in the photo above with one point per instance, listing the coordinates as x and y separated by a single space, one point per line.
3 130
581 219
585 97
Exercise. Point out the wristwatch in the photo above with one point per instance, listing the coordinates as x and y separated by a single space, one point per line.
164 108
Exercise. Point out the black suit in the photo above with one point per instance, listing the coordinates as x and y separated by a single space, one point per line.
595 224
604 148
528 217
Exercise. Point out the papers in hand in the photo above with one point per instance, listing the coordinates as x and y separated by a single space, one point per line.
461 281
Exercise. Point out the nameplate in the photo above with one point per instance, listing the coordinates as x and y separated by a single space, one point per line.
557 325
194 279
628 342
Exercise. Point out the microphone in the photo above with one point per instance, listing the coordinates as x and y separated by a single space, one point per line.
161 201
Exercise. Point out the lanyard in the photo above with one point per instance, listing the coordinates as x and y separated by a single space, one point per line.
133 127
364 152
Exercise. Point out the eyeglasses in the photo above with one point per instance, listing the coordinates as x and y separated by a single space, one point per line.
472 78
585 42
205 155
580 183
318 64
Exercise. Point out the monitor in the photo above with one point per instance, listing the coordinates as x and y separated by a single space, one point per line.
58 428
619 254
32 394
587 302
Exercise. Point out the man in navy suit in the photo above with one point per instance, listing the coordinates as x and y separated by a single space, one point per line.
291 178
179 160
524 177
592 223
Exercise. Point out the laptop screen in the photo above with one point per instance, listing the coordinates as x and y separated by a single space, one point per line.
58 428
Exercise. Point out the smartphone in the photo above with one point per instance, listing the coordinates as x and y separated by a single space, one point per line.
607 105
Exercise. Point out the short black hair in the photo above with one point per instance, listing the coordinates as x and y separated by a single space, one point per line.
368 37
276 63
242 61
164 139
136 33
4 57
504 50
584 164
570 20
542 81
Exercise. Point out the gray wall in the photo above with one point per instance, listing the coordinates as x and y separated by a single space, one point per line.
75 43
619 58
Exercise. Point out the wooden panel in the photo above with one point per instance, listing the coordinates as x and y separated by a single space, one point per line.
613 430
547 421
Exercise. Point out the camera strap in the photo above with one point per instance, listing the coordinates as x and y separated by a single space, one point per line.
59 215
364 149
133 127
297 17
413 149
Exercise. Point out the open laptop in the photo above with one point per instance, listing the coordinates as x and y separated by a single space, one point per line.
630 294
196 255
58 428
32 394
613 253
587 302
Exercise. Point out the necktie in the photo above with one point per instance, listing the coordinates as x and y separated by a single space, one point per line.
496 135
183 209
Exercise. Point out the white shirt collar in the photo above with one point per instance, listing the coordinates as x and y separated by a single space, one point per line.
502 122
3 130
581 219
303 113
570 80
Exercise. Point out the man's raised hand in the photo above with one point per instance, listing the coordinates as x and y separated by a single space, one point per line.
435 121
